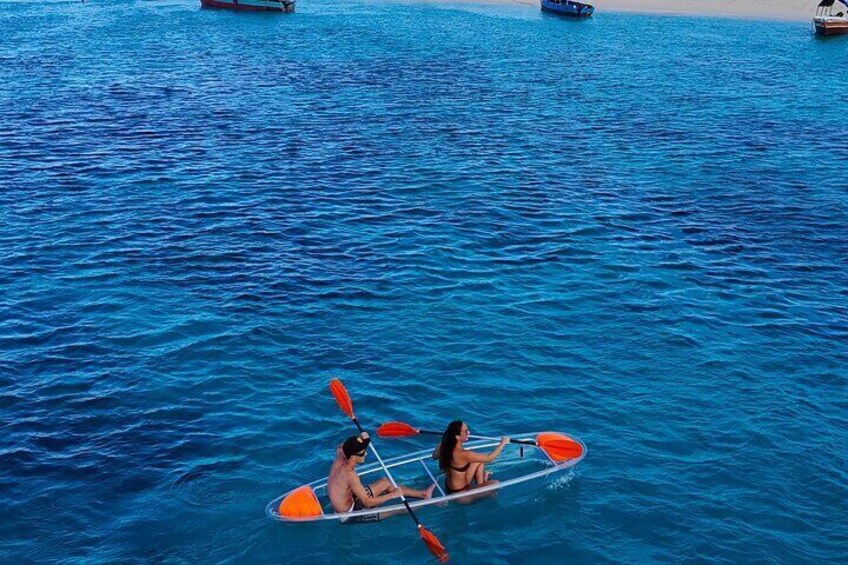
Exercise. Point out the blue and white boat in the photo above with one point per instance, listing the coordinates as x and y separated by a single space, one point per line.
568 8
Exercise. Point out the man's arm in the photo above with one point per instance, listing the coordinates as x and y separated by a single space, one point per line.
367 500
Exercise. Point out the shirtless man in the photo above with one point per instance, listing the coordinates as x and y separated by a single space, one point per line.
347 494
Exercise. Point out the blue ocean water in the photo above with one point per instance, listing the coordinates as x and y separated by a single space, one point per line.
633 229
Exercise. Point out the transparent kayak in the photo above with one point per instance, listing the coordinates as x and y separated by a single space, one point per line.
517 464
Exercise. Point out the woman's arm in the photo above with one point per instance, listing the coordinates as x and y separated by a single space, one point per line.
468 456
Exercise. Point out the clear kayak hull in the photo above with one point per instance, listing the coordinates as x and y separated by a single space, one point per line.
516 465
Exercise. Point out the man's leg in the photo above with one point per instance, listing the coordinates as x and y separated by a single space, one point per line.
379 487
415 493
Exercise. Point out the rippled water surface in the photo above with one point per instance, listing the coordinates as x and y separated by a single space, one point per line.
633 229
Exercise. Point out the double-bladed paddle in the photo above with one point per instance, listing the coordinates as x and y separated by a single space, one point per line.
557 446
345 403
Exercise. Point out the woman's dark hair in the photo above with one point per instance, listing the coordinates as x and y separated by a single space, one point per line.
448 443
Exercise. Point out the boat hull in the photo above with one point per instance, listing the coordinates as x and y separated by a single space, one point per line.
543 467
831 26
568 8
286 6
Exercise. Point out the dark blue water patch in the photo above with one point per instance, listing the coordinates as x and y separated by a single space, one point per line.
630 229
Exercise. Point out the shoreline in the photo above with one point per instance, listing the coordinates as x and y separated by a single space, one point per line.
763 10
787 10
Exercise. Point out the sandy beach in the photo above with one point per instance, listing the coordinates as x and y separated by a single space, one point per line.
757 9
795 10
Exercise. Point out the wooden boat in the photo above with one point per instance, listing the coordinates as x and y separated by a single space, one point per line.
828 23
286 6
568 8
831 26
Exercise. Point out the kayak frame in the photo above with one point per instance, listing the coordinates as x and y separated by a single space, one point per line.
422 456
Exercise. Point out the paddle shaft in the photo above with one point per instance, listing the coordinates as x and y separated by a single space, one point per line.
511 440
433 544
389 475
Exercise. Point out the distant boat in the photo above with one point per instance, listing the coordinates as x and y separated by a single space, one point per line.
828 23
286 6
569 8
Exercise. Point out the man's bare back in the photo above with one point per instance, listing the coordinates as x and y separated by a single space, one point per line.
339 483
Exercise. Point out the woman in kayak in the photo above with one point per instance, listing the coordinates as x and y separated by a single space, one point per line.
463 469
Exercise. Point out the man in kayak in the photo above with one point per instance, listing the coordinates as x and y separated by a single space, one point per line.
346 491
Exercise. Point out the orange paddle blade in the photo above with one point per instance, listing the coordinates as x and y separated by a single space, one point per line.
301 503
434 545
342 397
559 447
396 429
